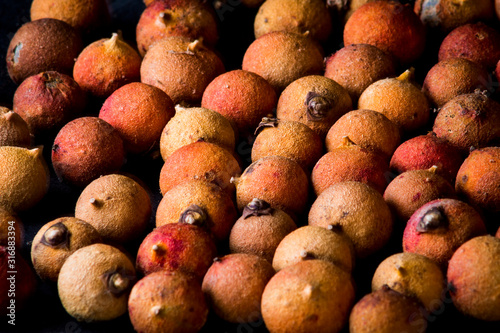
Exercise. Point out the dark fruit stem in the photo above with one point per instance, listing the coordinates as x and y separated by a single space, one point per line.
57 236
317 106
433 219
194 215
257 207
117 282
266 122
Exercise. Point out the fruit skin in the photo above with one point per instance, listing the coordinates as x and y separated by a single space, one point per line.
299 298
86 148
139 112
9 224
474 278
59 43
234 285
167 302
80 285
449 224
13 129
24 178
176 247
390 26
48 100
478 179
118 207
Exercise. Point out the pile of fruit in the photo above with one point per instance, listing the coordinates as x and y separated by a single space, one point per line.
343 176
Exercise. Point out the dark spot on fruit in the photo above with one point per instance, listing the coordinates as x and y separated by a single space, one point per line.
464 178
312 317
55 148
451 288
344 214
416 196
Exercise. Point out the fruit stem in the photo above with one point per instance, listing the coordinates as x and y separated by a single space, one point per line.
195 46
433 169
433 219
266 122
317 106
57 236
257 207
194 215
346 142
407 75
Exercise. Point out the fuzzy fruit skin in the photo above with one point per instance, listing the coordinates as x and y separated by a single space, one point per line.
80 284
24 178
242 97
182 247
461 223
48 100
167 302
413 275
356 66
217 204
390 26
117 206
452 77
424 151
106 65
385 311
478 179
182 73
13 129
300 298
469 120
282 57
474 276
57 41
187 18
86 148
270 179
199 160
234 285
359 211
139 112
7 221
48 260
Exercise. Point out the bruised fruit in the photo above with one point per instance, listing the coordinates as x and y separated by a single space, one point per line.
300 298
413 275
270 179
242 97
390 26
479 177
452 77
187 18
116 206
86 148
439 227
234 285
56 241
366 128
356 66
47 101
199 160
139 112
314 100
181 67
11 229
94 283
350 162
313 242
474 278
182 246
189 125
260 229
291 139
42 45
13 129
106 65
167 302
386 311
282 57
298 16
205 203
357 211
24 178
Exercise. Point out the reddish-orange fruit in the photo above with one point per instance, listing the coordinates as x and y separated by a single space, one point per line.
188 18
357 66
48 100
243 97
86 148
452 77
181 67
282 57
13 129
139 112
106 65
390 26
438 228
199 160
42 45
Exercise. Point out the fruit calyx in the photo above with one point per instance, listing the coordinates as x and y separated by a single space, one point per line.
194 215
317 106
433 219
57 236
257 207
305 255
118 281
266 122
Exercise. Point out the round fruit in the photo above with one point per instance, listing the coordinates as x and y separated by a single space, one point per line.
13 129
